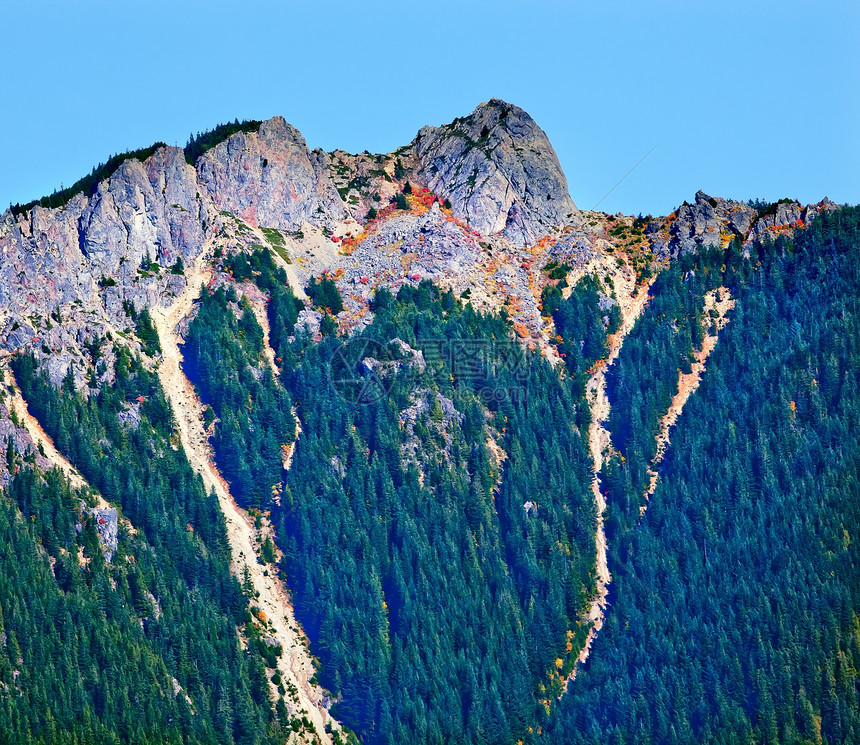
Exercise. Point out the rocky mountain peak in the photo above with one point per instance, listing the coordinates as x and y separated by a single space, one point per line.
499 170
120 243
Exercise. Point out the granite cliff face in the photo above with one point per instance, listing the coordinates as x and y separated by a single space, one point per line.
499 170
68 275
270 178
86 263
90 260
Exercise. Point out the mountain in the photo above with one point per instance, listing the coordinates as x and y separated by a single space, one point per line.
316 446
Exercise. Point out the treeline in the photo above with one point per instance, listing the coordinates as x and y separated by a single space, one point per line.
87 185
644 379
734 613
438 586
74 656
324 294
194 148
205 141
583 321
283 307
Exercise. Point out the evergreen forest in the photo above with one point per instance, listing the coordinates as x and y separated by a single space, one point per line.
437 524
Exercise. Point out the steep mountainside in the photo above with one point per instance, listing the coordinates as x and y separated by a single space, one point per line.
324 447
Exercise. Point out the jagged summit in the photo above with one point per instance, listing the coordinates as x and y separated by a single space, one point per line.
499 171
489 209
496 166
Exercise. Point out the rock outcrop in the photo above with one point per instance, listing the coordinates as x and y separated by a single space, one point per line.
107 525
711 222
270 178
499 170
708 222
70 274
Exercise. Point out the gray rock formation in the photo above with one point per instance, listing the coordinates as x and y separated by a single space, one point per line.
499 170
87 261
698 225
270 178
782 215
66 272
712 222
107 525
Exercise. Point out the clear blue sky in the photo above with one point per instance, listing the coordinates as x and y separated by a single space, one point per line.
746 99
